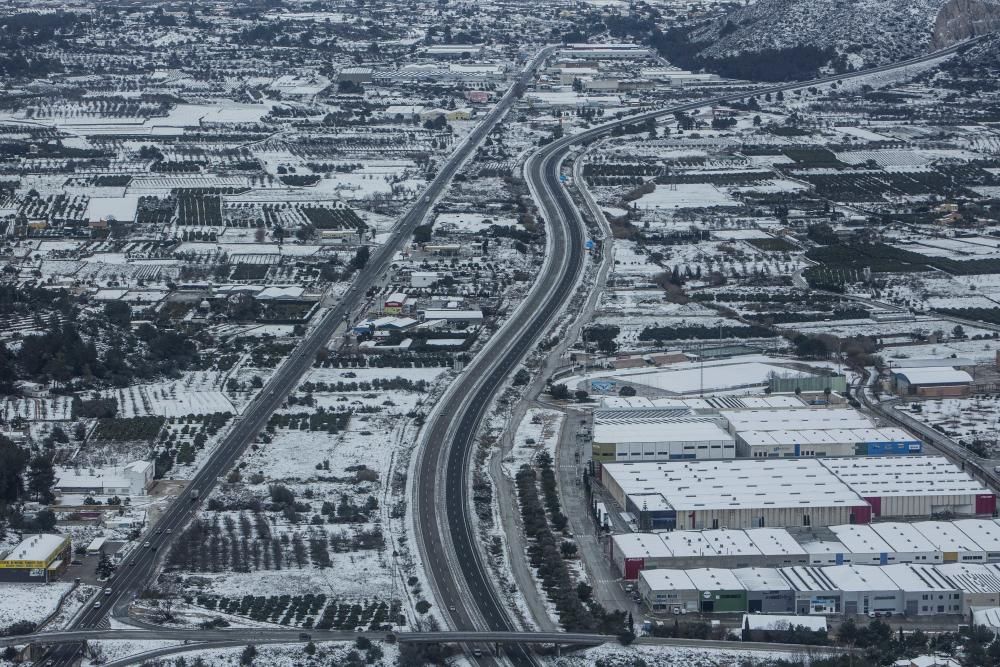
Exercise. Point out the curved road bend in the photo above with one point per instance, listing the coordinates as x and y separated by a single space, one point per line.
140 567
442 509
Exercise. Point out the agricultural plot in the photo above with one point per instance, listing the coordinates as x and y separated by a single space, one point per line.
311 505
55 408
199 392
975 417
304 611
877 186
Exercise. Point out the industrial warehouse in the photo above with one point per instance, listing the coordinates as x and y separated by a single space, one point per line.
903 589
632 429
885 543
757 493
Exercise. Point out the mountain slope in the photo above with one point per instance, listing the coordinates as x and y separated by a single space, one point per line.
867 32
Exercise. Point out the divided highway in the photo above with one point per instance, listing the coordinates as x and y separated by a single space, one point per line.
140 568
441 489
442 481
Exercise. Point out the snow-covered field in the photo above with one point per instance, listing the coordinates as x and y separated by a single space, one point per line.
273 655
30 602
198 393
972 417
613 655
685 195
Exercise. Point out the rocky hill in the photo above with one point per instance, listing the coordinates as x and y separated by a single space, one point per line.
961 19
795 37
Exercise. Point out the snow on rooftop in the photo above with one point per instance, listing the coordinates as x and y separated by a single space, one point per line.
903 537
728 484
860 539
912 577
859 578
667 580
678 429
946 536
688 543
984 532
934 375
903 476
796 419
641 545
714 579
774 541
761 579
36 547
972 577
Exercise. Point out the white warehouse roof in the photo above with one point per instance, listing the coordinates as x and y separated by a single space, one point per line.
667 580
679 429
984 532
903 476
714 579
903 537
860 539
761 579
795 419
735 483
855 578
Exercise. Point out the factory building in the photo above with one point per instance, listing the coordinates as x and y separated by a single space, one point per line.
814 591
980 583
733 494
739 421
757 547
37 558
658 435
665 429
885 544
669 590
915 486
767 592
827 442
913 590
758 493
888 543
925 591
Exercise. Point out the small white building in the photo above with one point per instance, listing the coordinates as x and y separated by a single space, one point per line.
424 278
132 479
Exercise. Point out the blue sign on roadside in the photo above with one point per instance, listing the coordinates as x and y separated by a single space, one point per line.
602 386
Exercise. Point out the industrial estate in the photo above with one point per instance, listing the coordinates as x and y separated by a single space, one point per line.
627 334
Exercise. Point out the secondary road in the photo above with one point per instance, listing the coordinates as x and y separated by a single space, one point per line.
139 570
442 510
263 634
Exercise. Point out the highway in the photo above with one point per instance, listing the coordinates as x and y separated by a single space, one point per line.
442 506
470 596
130 579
